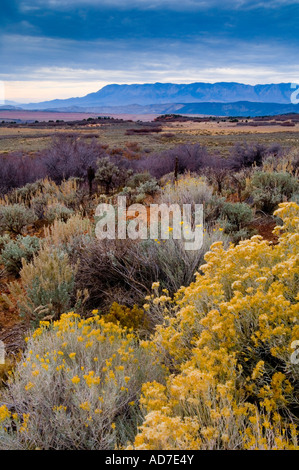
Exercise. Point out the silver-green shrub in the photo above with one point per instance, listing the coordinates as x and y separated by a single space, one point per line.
149 187
58 212
47 285
271 188
235 218
14 217
14 251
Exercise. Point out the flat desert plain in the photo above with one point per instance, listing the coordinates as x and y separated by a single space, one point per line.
217 135
53 116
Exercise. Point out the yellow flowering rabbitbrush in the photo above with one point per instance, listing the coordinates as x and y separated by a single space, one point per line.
228 342
74 386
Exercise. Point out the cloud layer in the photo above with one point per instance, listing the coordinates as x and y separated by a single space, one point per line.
89 43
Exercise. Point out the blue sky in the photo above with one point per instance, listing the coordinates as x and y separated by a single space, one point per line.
61 48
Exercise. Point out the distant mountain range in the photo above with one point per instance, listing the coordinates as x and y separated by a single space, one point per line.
240 108
227 99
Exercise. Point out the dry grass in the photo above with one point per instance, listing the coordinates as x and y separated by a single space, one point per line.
216 136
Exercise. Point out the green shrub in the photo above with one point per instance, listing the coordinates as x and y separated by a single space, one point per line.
47 193
58 212
213 209
47 285
139 198
270 188
14 251
39 204
137 179
236 216
13 218
138 195
4 240
26 193
129 193
295 198
150 187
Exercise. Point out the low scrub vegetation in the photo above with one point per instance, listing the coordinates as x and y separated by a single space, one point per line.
216 373
140 343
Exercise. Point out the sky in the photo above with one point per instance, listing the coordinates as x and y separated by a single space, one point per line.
61 48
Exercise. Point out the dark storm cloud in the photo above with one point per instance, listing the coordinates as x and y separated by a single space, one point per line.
115 19
145 35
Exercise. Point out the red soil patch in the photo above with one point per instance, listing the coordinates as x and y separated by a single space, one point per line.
264 227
